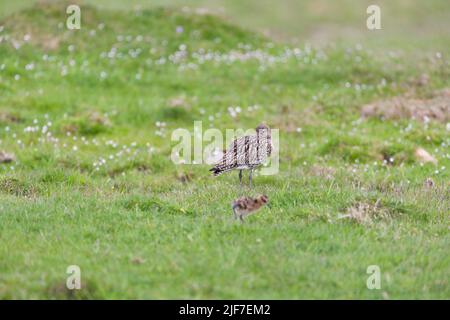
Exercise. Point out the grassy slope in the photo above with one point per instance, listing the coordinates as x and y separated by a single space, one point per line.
136 231
409 24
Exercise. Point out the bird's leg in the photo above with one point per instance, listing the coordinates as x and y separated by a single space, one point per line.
240 177
250 177
241 218
234 213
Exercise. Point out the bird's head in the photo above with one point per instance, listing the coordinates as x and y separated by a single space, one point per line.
264 199
262 126
263 129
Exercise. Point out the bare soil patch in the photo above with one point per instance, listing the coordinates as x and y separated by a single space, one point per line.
6 157
436 107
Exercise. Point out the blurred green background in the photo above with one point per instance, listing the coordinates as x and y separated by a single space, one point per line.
413 24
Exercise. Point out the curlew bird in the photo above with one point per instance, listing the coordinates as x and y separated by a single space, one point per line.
246 153
245 206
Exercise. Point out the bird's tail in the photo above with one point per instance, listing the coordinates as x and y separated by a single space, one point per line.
217 171
221 168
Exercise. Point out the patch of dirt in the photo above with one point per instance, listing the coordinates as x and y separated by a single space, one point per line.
423 156
387 158
428 183
60 291
98 118
422 81
178 102
437 108
71 128
6 157
143 168
49 43
8 117
137 260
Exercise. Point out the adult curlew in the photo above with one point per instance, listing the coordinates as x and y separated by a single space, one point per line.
246 153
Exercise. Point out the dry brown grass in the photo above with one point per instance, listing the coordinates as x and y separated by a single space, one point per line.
437 108
185 177
290 118
98 118
18 188
323 172
7 117
367 213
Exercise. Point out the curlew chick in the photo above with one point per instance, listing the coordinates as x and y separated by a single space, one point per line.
246 153
245 206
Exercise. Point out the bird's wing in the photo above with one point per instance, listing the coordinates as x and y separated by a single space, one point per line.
244 151
241 151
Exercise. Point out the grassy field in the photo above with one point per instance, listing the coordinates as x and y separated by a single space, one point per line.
87 117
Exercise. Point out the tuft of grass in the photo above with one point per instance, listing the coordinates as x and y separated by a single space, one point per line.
16 187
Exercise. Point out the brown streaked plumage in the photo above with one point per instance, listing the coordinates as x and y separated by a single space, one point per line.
245 206
246 153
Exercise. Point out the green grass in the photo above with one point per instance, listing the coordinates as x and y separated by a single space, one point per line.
137 231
